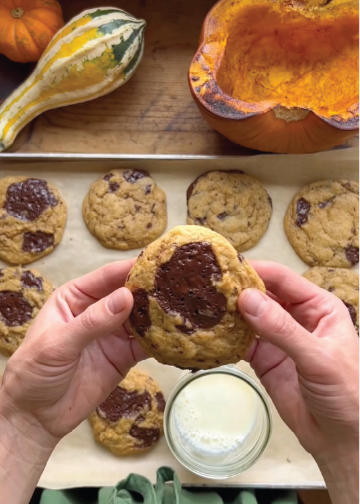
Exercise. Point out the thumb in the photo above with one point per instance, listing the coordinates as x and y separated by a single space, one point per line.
270 320
100 319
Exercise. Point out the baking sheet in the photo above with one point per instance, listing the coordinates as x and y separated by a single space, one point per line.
78 460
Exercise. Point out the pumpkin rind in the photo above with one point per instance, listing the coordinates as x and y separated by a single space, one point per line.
95 53
242 100
27 29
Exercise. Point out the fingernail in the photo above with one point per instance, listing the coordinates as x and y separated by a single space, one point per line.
117 301
253 302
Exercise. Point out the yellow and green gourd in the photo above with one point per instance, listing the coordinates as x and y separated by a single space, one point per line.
95 53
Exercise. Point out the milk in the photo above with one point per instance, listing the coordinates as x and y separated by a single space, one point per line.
214 414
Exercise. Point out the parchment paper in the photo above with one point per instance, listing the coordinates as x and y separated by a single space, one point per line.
78 460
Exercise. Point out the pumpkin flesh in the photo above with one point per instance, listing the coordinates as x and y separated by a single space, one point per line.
288 59
309 64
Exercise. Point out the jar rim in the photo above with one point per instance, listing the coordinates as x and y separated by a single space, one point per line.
229 470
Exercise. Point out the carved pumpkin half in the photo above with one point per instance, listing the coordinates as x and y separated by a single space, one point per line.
280 75
27 26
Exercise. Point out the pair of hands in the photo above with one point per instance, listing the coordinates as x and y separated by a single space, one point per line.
78 349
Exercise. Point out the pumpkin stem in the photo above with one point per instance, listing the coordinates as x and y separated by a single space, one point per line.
17 13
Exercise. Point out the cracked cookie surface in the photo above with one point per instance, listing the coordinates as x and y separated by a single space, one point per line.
125 209
32 219
186 287
231 203
343 283
23 292
130 420
322 223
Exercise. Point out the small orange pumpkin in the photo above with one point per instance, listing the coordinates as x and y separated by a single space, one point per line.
280 75
27 26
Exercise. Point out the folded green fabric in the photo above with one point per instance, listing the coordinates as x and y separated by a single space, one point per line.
136 489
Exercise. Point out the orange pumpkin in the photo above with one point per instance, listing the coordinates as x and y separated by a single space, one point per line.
280 75
27 26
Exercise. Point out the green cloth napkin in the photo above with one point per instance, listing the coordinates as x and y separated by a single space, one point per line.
136 489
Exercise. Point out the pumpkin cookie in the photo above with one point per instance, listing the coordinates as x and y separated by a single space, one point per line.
32 219
125 209
342 282
232 204
23 293
186 287
322 223
130 420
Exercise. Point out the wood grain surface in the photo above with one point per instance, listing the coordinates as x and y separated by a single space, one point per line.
314 497
153 113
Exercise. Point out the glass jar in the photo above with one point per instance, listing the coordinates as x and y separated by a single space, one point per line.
217 429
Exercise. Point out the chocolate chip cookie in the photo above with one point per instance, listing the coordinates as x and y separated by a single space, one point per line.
232 204
130 420
186 287
322 223
125 209
32 219
23 293
343 283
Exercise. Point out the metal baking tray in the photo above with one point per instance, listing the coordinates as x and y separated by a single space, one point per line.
78 460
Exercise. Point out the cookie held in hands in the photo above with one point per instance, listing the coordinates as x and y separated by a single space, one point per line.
23 292
322 223
130 420
231 203
186 287
32 219
125 209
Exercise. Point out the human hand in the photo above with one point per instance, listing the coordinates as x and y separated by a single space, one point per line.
307 357
308 360
74 354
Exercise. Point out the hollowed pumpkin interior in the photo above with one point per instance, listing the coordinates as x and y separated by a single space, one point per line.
291 60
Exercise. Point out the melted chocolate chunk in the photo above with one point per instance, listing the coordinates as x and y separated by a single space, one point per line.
240 257
113 186
122 403
183 286
331 289
29 199
324 204
108 176
37 242
222 216
133 176
184 329
352 312
302 211
191 188
14 309
200 221
352 254
29 280
160 400
147 190
147 436
1 273
140 316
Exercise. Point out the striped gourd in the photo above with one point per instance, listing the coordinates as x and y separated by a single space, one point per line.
95 53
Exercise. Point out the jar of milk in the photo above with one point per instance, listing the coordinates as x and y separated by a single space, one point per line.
217 422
